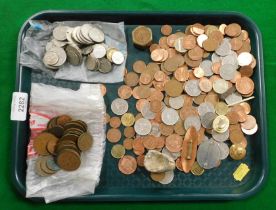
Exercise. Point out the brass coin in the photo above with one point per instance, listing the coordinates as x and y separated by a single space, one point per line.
237 152
196 169
118 151
173 88
85 141
128 119
221 108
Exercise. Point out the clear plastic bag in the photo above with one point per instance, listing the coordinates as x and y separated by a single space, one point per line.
40 32
85 104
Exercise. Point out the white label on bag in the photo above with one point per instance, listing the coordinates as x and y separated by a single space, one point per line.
19 106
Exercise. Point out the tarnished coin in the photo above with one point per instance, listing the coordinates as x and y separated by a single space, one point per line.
50 58
169 116
169 175
105 65
192 121
205 107
220 137
207 119
221 108
119 106
91 63
85 141
208 154
142 126
118 151
68 160
173 88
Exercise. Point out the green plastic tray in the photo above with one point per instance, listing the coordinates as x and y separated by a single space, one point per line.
215 184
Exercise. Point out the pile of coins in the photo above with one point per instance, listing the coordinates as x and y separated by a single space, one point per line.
60 145
71 44
190 100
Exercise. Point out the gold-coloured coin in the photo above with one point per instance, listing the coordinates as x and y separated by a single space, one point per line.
128 119
241 172
118 151
221 124
197 170
221 108
237 152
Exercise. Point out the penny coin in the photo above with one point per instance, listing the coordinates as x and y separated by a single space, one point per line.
166 30
113 135
85 141
128 143
41 141
127 165
124 92
173 88
115 122
68 160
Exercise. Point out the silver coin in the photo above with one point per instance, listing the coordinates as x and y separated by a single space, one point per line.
91 62
169 116
200 39
205 107
215 58
206 66
50 58
142 126
155 130
96 34
245 58
207 119
74 56
192 121
146 111
105 65
69 36
119 106
59 33
75 35
231 59
58 43
178 45
61 55
224 48
49 45
192 88
118 57
50 162
176 102
208 154
169 176
173 155
224 150
251 131
227 71
85 28
99 51
233 98
220 86
231 90
87 50
220 136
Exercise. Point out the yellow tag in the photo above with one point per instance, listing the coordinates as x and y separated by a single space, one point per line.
241 172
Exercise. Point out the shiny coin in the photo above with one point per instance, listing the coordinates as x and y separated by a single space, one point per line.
169 116
113 135
250 122
96 34
233 98
245 58
221 124
251 131
196 169
128 119
227 71
50 58
142 126
118 57
176 102
192 88
118 151
241 172
206 66
99 51
237 152
119 106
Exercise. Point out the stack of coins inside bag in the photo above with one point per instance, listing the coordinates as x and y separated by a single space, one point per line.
192 101
60 145
85 43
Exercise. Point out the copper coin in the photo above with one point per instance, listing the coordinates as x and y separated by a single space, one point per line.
113 135
103 89
178 164
245 85
166 30
107 118
159 76
236 43
179 128
216 67
187 111
155 105
246 71
166 130
196 53
51 146
250 122
246 107
173 88
139 66
157 55
210 44
189 42
131 79
143 91
171 40
174 143
233 117
154 46
138 147
205 84
124 92
128 143
145 78
140 103
85 141
40 142
160 142
127 165
236 136
155 95
233 30
140 160
149 142
62 119
129 132
115 122
68 160
181 74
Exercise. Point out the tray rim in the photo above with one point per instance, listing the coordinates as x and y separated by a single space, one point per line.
19 186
